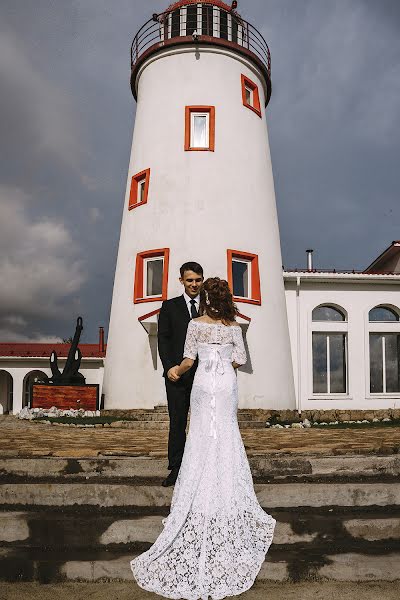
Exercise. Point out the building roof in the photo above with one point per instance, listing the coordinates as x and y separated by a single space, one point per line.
344 276
40 350
378 265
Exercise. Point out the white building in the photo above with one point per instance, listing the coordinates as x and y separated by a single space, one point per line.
24 363
345 335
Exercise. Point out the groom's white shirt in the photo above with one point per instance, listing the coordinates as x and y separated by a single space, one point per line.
189 306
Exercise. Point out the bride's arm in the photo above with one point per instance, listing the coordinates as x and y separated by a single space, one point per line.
185 365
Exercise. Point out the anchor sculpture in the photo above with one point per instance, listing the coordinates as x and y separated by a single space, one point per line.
70 374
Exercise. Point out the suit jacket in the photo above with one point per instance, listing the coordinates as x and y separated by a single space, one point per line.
173 322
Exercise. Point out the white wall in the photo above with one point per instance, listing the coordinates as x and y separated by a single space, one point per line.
200 204
357 299
18 368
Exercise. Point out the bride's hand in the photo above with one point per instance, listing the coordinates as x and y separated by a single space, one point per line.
172 374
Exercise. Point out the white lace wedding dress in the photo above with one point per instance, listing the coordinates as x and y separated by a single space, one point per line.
216 535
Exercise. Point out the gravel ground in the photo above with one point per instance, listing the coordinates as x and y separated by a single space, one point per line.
260 591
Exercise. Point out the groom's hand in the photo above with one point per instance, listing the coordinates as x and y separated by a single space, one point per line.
172 374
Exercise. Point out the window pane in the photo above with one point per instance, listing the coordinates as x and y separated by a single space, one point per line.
199 133
337 352
375 363
176 23
191 19
141 187
154 277
382 313
240 274
248 96
223 31
207 20
320 381
234 30
392 341
327 313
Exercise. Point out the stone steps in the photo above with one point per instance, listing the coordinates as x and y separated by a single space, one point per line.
338 517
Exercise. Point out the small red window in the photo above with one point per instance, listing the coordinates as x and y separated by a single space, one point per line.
244 276
200 128
139 189
250 95
151 276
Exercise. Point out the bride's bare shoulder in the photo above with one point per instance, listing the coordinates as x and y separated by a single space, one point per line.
234 324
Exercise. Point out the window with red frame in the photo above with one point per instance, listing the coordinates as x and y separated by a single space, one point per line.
139 189
244 276
151 276
200 128
250 95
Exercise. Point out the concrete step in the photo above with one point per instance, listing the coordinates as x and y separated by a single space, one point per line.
264 468
62 529
283 495
338 517
51 567
51 547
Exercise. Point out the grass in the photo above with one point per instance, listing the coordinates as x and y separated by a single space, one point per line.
110 419
84 420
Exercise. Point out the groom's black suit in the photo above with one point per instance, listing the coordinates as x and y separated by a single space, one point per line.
172 326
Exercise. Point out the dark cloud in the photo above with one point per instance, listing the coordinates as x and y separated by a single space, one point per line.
66 125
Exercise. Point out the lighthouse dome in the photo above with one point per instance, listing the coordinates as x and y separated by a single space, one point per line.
217 3
200 24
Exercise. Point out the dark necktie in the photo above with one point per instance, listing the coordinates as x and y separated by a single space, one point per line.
193 309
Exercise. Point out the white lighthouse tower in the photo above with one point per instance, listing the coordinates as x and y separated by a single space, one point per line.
200 188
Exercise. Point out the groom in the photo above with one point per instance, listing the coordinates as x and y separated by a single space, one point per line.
173 321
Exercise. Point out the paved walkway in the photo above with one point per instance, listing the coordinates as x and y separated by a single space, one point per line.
260 591
22 438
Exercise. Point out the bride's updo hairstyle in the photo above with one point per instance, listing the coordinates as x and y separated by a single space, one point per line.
216 300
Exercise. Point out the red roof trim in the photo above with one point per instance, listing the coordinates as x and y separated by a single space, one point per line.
40 350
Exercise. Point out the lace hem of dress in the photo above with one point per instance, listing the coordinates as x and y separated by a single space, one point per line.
212 556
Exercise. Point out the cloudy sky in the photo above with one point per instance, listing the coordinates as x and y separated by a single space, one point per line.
66 121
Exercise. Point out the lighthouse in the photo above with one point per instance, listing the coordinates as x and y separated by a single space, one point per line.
200 188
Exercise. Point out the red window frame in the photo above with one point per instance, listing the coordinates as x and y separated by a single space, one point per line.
136 179
139 275
211 127
255 288
256 96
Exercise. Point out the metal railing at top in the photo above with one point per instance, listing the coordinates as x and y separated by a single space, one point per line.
197 22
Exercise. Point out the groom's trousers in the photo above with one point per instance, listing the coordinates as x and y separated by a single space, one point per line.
178 397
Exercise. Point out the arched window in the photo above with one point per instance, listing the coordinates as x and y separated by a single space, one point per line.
29 379
6 392
329 350
383 314
327 313
384 350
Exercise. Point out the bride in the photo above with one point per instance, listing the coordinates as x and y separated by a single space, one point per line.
216 535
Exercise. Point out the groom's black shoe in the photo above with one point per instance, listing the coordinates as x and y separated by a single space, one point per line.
171 479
